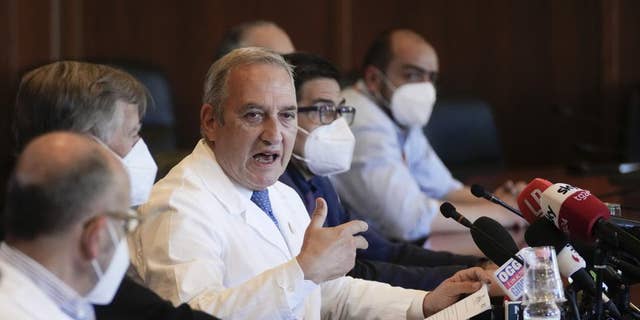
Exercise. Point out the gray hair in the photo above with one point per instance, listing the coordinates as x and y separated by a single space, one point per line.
75 96
215 85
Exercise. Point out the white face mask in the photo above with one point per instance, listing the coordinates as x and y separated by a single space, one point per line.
109 279
329 148
142 172
412 103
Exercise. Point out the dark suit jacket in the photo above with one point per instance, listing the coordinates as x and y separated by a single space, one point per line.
399 264
133 301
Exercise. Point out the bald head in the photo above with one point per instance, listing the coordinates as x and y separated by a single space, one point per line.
62 179
400 44
268 36
260 33
407 45
395 58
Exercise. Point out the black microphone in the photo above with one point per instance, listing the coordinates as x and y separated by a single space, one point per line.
492 239
499 247
449 211
544 233
510 273
481 192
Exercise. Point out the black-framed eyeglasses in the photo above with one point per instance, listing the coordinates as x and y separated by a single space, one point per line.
327 113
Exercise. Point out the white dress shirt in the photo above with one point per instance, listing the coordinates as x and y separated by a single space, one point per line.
204 242
396 179
29 291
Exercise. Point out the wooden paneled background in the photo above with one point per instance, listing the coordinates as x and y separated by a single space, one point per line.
556 71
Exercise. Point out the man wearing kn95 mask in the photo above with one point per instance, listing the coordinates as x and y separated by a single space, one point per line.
396 181
106 104
324 147
66 220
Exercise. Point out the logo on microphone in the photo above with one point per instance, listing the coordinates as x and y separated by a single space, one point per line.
511 278
582 195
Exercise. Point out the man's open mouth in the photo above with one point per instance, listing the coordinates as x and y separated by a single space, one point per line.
266 157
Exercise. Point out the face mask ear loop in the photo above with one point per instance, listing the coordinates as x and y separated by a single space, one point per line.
301 158
303 130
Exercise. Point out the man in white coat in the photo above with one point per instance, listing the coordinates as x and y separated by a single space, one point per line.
222 234
67 204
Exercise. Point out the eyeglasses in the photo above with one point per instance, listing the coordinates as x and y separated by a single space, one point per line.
327 113
128 221
120 224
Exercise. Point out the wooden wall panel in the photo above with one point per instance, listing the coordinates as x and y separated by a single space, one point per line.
556 72
530 60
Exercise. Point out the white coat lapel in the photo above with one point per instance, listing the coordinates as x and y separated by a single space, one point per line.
221 187
286 213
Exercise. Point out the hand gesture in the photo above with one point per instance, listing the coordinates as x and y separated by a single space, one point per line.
329 253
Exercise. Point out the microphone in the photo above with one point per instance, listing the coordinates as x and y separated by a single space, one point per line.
499 247
579 213
529 199
543 233
510 274
506 249
449 211
481 192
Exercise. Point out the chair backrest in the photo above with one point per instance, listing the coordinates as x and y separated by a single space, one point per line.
464 135
158 124
631 136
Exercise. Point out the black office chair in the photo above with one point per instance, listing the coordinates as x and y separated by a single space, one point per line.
158 124
464 135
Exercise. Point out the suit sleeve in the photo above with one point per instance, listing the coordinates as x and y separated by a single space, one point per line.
404 253
133 301
410 277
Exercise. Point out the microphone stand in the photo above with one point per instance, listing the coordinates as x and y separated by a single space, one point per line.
599 264
570 292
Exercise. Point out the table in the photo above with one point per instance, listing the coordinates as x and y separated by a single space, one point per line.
462 243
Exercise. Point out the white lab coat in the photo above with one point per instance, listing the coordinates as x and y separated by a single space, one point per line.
21 299
204 242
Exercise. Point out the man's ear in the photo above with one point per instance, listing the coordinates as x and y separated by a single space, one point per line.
90 239
372 78
208 122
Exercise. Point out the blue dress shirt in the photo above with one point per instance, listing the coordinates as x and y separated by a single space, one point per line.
396 179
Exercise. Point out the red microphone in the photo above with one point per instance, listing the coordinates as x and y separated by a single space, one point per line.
580 214
573 210
529 199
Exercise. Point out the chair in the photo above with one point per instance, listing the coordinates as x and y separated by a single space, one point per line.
158 124
463 134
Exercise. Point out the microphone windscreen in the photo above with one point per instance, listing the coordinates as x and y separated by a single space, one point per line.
529 199
544 233
573 210
448 210
478 191
488 245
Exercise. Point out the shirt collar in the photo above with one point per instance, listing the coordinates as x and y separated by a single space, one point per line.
242 190
67 299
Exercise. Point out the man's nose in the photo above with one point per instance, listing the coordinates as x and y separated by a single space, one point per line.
272 131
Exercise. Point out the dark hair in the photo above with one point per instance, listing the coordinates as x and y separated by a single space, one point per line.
308 66
75 96
379 53
232 39
55 203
